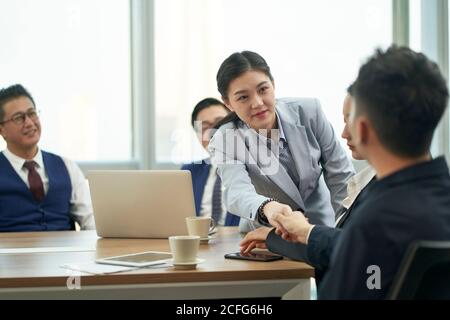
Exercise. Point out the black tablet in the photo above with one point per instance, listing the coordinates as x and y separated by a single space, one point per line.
254 256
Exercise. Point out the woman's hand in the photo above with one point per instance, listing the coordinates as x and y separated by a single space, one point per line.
273 209
255 239
294 228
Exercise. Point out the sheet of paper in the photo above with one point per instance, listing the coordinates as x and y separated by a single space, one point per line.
43 250
95 268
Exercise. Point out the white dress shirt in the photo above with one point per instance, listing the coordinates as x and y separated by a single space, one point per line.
206 207
80 202
355 185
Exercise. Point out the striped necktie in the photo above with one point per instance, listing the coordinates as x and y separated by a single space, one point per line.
217 200
287 161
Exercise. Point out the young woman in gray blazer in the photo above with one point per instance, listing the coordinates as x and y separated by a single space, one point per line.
275 155
322 241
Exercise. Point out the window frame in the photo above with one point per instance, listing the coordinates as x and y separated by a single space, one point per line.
434 42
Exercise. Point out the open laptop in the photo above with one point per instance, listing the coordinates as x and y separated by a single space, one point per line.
141 204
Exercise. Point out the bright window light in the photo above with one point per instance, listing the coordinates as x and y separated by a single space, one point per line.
74 58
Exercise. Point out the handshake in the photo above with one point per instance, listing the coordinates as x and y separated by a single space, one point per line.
290 225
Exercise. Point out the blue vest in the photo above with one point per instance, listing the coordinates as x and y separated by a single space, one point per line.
19 211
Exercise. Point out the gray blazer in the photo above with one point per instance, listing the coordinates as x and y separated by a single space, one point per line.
251 173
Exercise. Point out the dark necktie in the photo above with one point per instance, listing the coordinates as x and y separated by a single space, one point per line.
217 199
286 160
342 217
35 181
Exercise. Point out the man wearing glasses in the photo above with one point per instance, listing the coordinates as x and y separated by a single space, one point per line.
39 191
205 181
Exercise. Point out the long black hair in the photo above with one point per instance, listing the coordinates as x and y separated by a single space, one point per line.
233 67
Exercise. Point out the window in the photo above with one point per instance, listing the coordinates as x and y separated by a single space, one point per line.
74 58
314 49
415 25
430 34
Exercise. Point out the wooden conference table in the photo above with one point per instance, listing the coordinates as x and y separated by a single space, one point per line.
38 275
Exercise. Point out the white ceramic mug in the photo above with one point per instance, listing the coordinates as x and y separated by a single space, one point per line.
184 248
200 226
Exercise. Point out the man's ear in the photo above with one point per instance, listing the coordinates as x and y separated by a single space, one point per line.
227 104
2 133
363 128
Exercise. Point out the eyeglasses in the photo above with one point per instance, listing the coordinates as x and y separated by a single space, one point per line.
19 118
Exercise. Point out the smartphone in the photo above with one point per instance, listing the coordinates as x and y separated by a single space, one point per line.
254 256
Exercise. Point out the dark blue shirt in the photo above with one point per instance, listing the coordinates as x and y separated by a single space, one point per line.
411 204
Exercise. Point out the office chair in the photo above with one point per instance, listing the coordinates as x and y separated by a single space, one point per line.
424 272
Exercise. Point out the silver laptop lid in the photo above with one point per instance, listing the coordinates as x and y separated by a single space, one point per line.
141 204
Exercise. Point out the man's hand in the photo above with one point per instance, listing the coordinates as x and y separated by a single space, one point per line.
255 239
294 227
274 208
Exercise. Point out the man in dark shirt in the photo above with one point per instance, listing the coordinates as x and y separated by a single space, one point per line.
399 98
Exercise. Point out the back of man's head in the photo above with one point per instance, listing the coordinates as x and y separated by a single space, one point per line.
11 93
404 96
